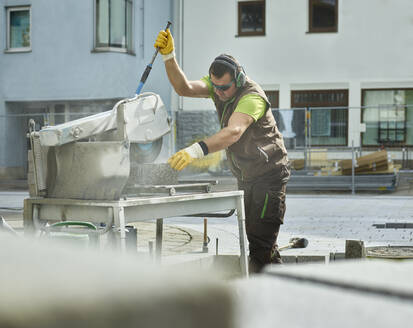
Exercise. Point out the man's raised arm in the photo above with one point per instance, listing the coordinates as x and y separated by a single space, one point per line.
180 83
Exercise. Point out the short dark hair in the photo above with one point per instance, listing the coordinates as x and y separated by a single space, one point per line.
219 67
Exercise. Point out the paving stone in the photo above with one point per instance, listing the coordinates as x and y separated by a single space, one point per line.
355 249
289 259
313 258
337 256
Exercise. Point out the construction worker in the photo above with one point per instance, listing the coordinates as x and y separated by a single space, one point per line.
255 148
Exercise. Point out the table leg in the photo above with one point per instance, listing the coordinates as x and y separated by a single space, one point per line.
159 232
28 224
119 218
242 235
38 226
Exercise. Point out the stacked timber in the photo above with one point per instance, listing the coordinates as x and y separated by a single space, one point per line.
317 158
297 164
374 163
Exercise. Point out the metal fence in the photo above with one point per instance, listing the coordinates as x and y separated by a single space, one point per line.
317 139
316 135
382 125
14 142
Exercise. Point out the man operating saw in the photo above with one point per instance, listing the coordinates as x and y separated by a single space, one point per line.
255 148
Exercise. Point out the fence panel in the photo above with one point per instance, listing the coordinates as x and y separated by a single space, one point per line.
317 139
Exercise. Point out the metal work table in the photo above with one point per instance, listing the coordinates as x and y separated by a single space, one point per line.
133 209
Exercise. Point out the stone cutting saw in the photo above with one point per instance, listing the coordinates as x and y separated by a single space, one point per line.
97 156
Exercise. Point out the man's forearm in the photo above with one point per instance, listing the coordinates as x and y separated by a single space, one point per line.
223 139
229 135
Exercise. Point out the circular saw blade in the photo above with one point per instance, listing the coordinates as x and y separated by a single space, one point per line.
145 152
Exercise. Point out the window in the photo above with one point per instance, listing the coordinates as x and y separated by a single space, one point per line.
328 111
273 97
323 16
251 18
392 125
113 31
18 29
387 115
283 118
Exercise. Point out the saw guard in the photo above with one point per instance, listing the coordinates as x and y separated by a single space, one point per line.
141 119
92 157
145 118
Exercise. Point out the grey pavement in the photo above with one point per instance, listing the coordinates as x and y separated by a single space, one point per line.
325 220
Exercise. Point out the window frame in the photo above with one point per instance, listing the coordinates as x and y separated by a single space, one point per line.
129 49
10 9
325 105
388 144
396 129
273 93
254 33
312 29
320 104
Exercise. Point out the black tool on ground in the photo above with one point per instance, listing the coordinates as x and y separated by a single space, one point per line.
295 243
149 67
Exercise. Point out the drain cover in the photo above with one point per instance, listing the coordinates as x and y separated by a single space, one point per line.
390 252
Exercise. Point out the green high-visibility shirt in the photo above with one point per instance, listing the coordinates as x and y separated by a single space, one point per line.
252 104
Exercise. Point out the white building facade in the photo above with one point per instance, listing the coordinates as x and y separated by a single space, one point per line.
347 62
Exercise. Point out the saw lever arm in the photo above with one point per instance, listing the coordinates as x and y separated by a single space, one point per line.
149 67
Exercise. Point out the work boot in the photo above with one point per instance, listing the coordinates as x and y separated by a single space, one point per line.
275 255
254 267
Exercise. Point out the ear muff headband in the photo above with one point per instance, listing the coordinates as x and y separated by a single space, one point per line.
239 73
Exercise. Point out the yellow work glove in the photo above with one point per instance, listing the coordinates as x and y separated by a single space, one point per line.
165 43
186 156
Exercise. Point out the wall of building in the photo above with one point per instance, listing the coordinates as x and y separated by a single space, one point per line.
63 67
370 49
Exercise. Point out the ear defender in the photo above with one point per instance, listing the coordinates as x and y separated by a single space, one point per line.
239 72
240 79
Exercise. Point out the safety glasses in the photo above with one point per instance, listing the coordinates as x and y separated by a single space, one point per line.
223 87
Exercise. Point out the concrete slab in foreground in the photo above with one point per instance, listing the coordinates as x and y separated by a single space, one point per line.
50 285
342 294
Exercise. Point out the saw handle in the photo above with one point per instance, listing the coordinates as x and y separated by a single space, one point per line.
149 66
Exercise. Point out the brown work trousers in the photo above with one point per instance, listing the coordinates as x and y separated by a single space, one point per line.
264 200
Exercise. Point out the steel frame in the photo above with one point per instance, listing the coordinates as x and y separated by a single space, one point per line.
133 209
